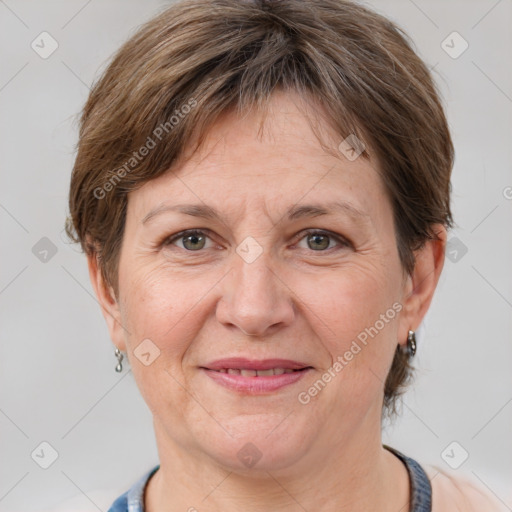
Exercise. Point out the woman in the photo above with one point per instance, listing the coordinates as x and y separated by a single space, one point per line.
301 147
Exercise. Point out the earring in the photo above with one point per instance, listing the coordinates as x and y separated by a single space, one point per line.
119 367
411 343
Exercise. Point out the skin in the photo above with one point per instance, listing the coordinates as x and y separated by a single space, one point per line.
299 300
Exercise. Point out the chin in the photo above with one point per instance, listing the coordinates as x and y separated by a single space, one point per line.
259 442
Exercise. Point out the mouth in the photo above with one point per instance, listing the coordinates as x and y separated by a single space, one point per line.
255 377
245 372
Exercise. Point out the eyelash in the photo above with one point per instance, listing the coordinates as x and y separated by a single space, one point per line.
191 232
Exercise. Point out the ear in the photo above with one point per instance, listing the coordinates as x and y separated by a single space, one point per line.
420 285
108 302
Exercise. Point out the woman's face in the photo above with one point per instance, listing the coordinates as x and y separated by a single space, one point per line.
253 284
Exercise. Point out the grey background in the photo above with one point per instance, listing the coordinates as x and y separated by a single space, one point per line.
58 382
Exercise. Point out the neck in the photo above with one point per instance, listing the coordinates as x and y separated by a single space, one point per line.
356 475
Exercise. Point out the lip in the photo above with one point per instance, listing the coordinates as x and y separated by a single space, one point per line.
255 385
254 364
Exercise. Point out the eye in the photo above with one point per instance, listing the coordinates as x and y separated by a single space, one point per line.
320 241
193 239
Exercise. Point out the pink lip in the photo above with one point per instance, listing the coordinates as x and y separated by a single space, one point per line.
255 385
254 364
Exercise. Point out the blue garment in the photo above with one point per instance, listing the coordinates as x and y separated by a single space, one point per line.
419 484
421 491
133 499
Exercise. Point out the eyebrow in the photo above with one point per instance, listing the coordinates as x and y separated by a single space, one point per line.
294 213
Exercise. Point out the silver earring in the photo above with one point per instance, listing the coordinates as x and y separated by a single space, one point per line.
119 367
411 343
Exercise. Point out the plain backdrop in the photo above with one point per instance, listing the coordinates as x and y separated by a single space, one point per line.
58 384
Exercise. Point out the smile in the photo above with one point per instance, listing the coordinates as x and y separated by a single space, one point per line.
255 382
257 373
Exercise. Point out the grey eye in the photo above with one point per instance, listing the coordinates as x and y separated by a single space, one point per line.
318 241
194 241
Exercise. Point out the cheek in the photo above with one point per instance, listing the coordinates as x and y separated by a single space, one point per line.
162 314
158 304
351 310
349 300
170 308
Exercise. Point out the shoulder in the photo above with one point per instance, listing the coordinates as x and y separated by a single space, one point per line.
460 493
92 501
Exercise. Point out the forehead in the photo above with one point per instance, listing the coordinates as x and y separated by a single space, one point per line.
273 160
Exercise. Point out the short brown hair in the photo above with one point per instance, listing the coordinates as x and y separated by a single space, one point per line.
201 58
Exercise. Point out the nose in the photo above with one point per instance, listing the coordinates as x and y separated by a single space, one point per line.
255 298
